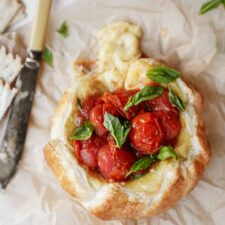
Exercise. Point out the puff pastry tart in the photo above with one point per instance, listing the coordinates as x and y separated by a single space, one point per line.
127 137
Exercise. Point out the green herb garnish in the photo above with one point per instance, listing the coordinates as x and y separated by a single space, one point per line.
118 129
48 56
142 164
83 132
211 5
176 100
63 30
163 74
166 152
147 93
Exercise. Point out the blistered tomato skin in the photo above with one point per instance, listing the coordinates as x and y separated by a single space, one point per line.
171 123
161 103
124 97
119 100
97 117
114 164
88 104
147 134
86 151
77 148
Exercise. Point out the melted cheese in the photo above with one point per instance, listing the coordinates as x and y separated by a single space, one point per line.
71 120
136 75
119 43
175 87
184 140
89 85
151 182
63 116
111 79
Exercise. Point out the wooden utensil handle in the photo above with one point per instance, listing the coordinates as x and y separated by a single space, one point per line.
40 22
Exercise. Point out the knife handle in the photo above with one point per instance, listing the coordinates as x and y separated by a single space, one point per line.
40 22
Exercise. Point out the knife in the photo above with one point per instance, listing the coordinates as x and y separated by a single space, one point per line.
16 128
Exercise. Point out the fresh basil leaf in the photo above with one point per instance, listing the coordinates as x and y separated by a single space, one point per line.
176 100
210 5
63 30
147 93
141 164
223 2
117 128
83 132
166 152
163 74
48 56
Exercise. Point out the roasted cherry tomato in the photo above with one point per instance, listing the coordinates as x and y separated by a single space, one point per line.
113 100
115 163
119 100
87 105
171 123
97 117
124 97
149 131
86 151
147 134
161 103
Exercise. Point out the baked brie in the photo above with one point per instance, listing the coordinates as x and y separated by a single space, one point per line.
127 138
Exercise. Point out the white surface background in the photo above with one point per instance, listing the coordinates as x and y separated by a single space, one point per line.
174 31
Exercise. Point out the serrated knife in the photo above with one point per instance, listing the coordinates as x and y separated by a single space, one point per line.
16 128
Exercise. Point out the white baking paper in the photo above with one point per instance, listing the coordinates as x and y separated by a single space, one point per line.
174 31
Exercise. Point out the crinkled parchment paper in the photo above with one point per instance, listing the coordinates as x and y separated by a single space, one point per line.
174 31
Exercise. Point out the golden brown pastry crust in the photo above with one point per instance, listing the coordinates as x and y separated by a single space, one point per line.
117 204
151 194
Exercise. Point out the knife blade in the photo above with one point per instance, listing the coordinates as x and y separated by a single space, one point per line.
16 128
